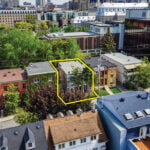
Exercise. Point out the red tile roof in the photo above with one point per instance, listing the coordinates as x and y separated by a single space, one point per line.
12 75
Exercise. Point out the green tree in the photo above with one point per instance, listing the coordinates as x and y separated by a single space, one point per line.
4 27
23 117
23 25
54 28
83 29
31 18
42 25
108 43
11 99
142 74
70 28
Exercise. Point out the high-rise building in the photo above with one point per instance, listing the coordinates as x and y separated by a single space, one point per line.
9 3
40 3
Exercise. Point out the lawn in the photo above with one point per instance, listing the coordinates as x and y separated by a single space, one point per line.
103 92
115 90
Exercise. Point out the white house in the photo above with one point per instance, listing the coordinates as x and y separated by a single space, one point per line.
126 65
76 132
66 70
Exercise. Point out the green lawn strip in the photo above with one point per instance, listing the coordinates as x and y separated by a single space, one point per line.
115 90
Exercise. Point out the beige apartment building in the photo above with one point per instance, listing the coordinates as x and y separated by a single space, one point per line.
9 17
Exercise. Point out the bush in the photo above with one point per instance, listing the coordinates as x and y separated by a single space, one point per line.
130 86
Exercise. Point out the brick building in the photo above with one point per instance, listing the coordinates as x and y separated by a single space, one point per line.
12 76
9 17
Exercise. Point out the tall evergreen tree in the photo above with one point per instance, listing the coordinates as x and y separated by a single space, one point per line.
108 43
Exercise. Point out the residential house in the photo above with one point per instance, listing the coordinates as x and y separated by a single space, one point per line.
41 73
126 117
66 69
76 132
17 76
27 137
126 65
107 69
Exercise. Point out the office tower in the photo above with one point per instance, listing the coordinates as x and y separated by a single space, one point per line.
40 3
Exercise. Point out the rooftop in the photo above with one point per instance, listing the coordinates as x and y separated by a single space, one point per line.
74 127
130 108
68 67
39 68
94 62
16 138
123 59
143 144
12 75
70 34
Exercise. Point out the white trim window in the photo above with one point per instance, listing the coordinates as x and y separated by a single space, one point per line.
49 79
36 80
72 143
93 138
83 140
61 146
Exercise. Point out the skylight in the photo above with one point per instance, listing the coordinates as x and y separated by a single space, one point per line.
139 114
147 111
128 116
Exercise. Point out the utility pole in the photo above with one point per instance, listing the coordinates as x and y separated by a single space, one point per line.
99 72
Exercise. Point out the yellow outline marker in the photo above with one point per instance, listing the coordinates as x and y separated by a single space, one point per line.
57 73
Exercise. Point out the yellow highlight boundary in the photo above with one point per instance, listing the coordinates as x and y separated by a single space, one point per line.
57 73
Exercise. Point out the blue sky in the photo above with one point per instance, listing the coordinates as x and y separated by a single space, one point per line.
54 1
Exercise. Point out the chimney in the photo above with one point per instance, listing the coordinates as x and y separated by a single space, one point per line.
60 115
49 116
69 113
79 111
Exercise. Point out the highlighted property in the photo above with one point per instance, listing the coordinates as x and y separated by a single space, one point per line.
58 85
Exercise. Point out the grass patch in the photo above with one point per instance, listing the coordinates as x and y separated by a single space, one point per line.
102 92
115 90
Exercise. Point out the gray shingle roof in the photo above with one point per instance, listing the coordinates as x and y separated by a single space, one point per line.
129 102
17 136
94 62
39 68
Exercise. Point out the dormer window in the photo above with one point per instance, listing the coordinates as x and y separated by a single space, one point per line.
139 114
83 140
128 116
72 143
93 137
61 146
29 144
3 148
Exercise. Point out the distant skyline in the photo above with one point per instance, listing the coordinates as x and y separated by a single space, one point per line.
53 1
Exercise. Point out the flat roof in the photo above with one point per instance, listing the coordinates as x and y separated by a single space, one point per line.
70 34
39 68
123 59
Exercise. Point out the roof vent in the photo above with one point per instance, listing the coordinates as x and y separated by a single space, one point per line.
9 71
31 64
138 96
13 74
79 111
50 116
60 115
16 133
122 100
69 113
5 75
38 126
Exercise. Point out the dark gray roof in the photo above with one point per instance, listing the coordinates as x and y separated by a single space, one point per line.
129 102
39 68
94 62
17 136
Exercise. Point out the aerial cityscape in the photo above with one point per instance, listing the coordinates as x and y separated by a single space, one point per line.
74 74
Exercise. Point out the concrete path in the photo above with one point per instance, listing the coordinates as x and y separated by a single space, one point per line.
108 90
8 122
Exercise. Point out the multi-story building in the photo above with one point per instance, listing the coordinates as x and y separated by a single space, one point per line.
9 3
40 3
9 17
16 77
116 11
80 5
40 73
76 132
88 42
66 72
126 117
108 71
126 65
137 32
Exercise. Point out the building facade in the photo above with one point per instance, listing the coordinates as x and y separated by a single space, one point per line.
108 71
76 132
126 117
137 33
17 77
10 17
126 65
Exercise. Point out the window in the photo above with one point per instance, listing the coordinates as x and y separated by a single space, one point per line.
93 137
83 140
24 86
30 144
139 114
49 78
61 146
5 88
95 148
72 143
36 80
3 148
147 111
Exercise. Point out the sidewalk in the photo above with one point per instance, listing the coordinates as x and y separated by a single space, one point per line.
108 90
8 122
